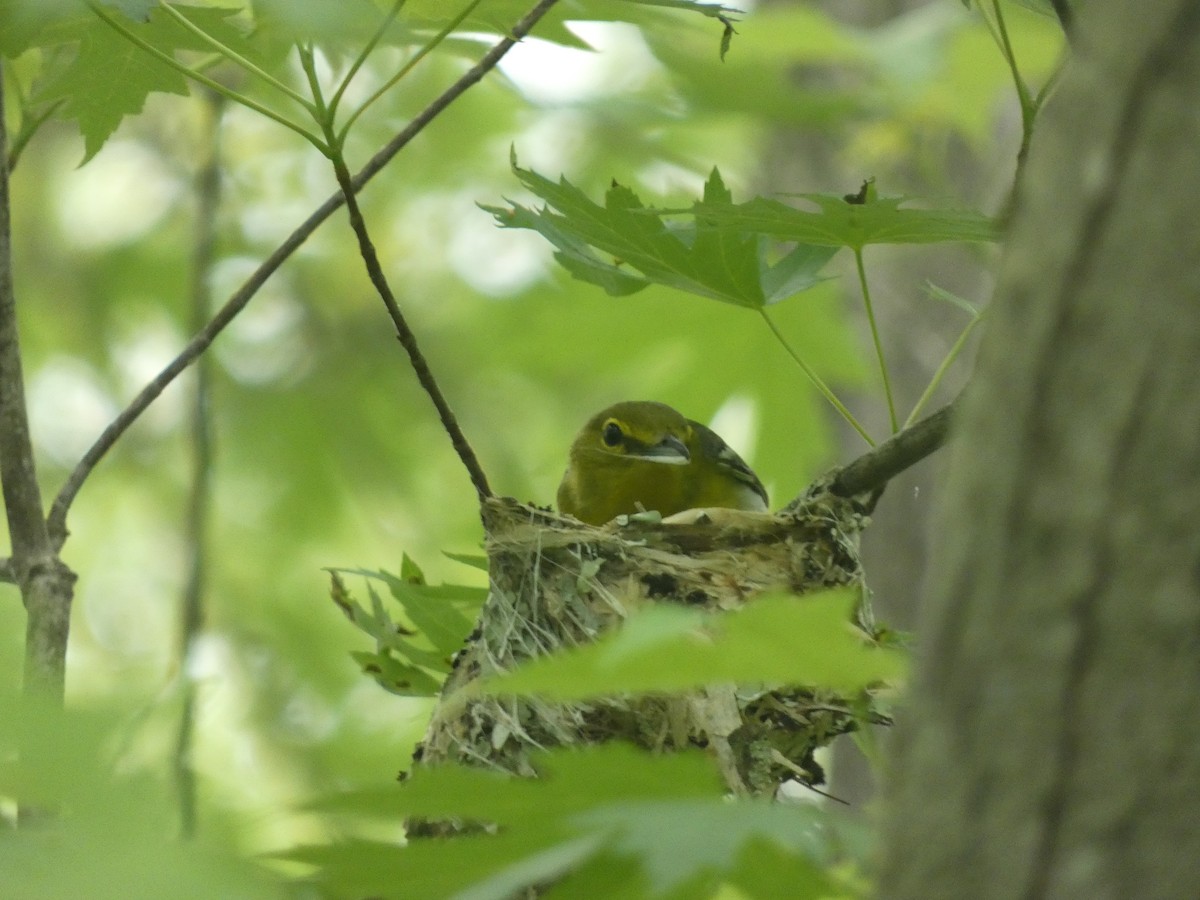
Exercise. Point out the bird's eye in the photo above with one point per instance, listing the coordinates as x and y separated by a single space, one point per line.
612 433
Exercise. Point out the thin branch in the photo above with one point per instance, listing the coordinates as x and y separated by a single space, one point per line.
408 340
62 503
207 193
875 468
1028 110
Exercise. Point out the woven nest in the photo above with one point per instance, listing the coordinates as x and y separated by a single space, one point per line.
556 583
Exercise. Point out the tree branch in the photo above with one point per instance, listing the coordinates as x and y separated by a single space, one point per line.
57 520
45 583
408 340
22 498
875 468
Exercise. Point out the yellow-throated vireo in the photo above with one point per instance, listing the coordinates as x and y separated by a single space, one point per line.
639 455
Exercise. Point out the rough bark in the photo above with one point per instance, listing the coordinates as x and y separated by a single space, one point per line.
1050 748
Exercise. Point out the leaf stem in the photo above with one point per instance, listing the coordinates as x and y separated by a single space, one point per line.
883 369
234 56
320 112
936 380
820 385
408 67
359 60
1027 103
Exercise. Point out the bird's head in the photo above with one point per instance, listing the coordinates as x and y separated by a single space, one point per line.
636 430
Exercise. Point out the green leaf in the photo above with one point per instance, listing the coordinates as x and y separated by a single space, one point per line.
766 869
443 613
661 822
325 23
217 22
853 225
443 625
137 10
776 639
111 76
442 616
109 79
597 774
703 257
395 676
113 830
29 23
409 570
676 840
468 559
797 271
441 868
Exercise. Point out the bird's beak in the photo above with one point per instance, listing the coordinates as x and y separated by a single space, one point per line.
670 450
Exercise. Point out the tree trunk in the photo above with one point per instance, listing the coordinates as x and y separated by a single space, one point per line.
1052 746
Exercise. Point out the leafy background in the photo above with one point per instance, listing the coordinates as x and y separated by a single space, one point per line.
327 452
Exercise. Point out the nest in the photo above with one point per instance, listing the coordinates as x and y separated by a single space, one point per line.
556 583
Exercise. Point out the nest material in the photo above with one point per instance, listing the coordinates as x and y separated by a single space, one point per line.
556 583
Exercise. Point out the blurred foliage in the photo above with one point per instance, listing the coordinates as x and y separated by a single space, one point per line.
327 452
612 822
778 639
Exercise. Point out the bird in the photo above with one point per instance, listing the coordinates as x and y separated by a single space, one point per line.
640 455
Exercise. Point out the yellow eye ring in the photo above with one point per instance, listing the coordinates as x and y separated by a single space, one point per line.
612 434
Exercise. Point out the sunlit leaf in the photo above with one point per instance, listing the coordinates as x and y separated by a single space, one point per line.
593 774
778 639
